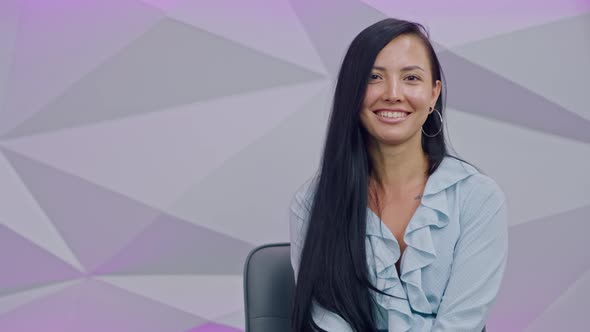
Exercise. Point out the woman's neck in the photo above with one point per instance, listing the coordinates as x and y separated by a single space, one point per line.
398 169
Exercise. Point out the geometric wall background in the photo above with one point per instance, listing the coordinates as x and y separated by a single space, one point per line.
147 146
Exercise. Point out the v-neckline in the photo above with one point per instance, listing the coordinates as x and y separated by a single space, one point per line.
383 224
389 234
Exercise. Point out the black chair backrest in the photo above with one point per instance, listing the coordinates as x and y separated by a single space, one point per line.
268 288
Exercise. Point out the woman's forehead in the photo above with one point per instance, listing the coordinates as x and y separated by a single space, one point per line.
403 52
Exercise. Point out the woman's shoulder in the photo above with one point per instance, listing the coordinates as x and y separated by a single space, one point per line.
480 194
474 188
470 179
480 186
303 197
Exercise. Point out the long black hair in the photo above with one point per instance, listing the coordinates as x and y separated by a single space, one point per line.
333 270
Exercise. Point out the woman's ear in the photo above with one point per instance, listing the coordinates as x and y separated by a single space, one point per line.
436 91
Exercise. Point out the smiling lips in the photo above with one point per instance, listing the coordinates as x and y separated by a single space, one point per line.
391 116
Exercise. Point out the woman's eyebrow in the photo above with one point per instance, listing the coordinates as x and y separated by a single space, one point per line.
407 68
414 67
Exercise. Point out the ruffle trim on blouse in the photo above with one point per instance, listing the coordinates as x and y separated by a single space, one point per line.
409 300
386 278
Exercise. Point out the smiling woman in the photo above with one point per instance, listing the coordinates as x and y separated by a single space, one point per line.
402 72
393 233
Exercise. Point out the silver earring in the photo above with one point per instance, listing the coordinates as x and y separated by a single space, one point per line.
441 123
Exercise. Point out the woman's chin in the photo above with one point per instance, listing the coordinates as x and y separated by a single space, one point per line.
395 139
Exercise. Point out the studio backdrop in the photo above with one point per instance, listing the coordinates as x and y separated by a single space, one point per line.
147 146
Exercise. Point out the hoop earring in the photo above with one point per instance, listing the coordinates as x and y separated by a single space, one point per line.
441 124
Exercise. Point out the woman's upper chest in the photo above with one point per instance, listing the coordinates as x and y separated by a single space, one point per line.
419 224
396 215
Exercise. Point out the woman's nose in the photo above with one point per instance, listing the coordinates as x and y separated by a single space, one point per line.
392 92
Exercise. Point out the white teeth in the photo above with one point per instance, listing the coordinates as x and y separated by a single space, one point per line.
392 114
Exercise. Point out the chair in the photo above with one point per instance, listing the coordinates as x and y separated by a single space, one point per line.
269 286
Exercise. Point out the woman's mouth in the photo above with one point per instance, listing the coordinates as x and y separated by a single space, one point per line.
387 116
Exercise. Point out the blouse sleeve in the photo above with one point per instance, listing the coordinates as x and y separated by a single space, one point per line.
299 213
479 261
298 217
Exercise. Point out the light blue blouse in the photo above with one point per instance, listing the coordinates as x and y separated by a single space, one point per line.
452 267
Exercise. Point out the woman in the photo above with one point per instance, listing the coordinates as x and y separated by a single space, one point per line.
393 233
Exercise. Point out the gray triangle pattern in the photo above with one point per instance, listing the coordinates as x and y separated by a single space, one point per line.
268 170
477 90
102 226
9 19
165 67
557 70
346 18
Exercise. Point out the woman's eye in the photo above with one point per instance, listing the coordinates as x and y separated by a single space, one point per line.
374 77
412 78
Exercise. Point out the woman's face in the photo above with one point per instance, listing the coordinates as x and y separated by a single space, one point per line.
400 92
